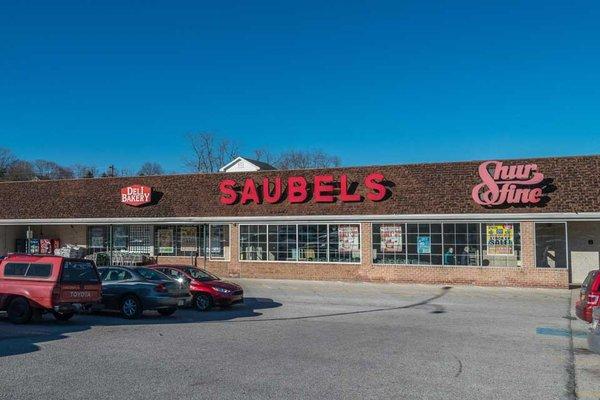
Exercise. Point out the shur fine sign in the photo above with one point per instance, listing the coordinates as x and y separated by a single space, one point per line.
136 195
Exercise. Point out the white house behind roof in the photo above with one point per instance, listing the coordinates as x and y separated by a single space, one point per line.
243 164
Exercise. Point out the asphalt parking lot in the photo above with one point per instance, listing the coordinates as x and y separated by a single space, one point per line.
331 340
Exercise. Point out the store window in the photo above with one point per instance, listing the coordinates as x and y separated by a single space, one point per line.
501 246
97 239
550 245
253 242
304 242
187 240
165 240
389 244
283 243
424 244
344 243
312 243
120 237
218 248
140 239
462 244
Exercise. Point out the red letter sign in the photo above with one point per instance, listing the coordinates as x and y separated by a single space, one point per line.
297 189
228 194
324 189
373 182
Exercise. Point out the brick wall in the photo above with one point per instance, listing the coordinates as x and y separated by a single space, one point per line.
526 276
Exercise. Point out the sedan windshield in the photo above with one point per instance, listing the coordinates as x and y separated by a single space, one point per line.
200 275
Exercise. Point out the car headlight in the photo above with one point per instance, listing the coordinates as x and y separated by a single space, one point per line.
221 290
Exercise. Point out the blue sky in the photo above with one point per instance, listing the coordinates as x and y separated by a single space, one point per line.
374 82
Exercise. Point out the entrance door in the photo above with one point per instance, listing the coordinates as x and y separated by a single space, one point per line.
584 249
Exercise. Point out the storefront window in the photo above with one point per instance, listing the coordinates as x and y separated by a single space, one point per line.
306 242
462 244
501 245
218 247
282 243
97 238
120 237
312 243
165 241
344 243
253 242
424 244
140 239
550 245
389 244
187 243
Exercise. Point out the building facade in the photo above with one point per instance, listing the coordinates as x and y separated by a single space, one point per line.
509 223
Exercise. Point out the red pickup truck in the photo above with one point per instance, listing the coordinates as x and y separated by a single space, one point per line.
34 284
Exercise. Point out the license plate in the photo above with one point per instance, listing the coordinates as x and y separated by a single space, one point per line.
181 302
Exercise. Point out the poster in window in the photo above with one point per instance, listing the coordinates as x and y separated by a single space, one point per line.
165 241
348 238
97 237
500 239
424 244
391 238
188 238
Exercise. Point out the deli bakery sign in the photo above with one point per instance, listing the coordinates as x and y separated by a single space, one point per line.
136 195
298 189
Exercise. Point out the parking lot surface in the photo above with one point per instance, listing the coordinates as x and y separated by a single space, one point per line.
330 340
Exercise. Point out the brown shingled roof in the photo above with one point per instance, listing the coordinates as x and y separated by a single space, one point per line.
443 188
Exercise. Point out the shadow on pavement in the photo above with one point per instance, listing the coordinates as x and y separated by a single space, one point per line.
22 339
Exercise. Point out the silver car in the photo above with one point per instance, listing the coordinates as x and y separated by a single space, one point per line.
594 335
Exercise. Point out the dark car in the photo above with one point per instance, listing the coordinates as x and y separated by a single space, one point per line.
207 289
131 290
589 296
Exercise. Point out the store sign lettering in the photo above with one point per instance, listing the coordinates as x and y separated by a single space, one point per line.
507 184
297 189
136 195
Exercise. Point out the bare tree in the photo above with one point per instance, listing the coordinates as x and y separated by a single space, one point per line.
20 170
45 169
150 168
295 159
209 153
6 159
265 155
84 171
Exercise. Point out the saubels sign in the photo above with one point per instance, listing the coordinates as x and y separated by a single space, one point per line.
508 184
136 195
298 189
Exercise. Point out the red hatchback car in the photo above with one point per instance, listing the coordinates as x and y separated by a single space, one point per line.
589 296
207 290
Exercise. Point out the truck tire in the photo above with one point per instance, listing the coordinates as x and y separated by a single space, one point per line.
63 316
19 311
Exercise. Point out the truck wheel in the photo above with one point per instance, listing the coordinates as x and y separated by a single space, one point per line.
19 311
203 302
63 316
165 312
131 307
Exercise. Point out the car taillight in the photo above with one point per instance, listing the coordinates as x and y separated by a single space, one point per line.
592 299
56 294
160 288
